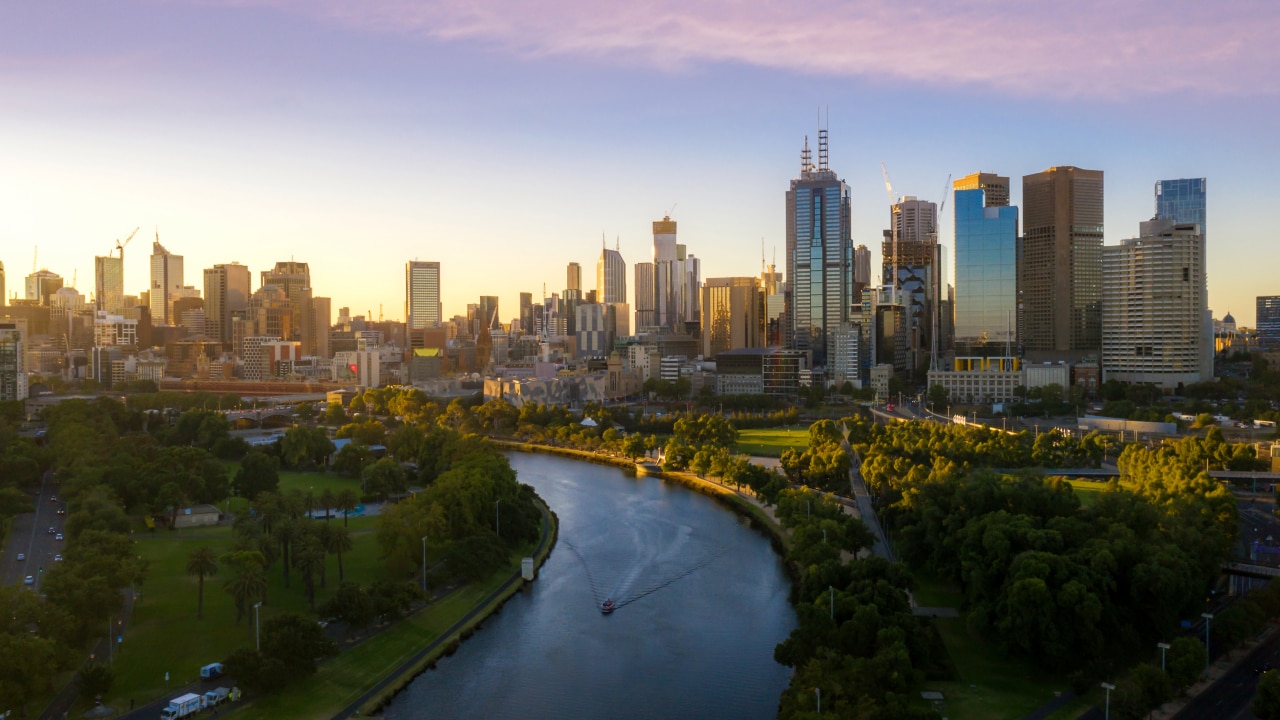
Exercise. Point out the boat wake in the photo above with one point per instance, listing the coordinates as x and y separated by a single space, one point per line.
632 587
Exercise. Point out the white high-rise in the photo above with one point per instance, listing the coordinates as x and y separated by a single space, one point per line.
422 294
676 279
1154 301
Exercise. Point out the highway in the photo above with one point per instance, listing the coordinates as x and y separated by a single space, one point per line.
1229 698
29 535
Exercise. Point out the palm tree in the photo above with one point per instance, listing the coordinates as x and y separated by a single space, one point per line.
200 563
347 500
248 585
327 499
339 541
286 532
308 556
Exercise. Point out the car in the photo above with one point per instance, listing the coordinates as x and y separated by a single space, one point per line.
53 531
22 556
62 511
58 536
30 580
57 558
53 498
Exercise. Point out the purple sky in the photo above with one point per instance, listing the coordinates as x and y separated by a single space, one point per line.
503 138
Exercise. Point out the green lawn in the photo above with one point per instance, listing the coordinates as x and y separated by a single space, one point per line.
1087 491
990 686
770 442
165 636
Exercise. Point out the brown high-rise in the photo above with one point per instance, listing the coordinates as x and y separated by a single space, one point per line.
996 187
1060 262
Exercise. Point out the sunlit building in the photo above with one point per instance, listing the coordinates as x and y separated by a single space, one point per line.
986 273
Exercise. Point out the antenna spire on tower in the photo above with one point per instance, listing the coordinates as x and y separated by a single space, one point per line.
806 157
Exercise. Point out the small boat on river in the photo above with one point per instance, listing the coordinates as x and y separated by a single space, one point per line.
606 607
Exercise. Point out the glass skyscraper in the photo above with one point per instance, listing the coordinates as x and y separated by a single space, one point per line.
1182 201
819 255
986 275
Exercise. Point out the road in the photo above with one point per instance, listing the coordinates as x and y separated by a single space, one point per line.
866 509
29 535
1230 697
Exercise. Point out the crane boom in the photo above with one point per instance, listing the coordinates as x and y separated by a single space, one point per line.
120 246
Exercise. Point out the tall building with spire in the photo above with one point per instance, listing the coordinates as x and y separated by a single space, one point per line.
819 254
166 282
611 276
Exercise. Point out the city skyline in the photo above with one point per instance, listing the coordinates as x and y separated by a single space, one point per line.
361 159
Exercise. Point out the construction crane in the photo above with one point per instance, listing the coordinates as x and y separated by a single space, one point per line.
121 245
937 293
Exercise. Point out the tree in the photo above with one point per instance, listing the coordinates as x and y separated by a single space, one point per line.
1186 660
27 666
633 446
201 563
295 642
338 541
347 499
258 473
1267 703
95 680
384 478
249 584
334 414
352 459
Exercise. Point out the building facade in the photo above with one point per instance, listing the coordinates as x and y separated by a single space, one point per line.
912 264
108 284
226 294
1060 270
422 307
166 280
819 255
1268 320
611 277
1154 302
13 374
732 314
986 273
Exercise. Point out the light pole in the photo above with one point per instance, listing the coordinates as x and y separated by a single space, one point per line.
818 691
424 563
497 519
1108 687
1163 647
833 601
1207 618
257 627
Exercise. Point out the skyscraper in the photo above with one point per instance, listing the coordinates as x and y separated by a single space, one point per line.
226 293
986 271
611 277
645 294
1153 307
41 285
526 313
995 186
1060 272
912 265
573 281
676 278
732 315
321 320
488 312
3 297
861 271
819 254
166 278
1268 320
422 294
108 284
1183 201
13 375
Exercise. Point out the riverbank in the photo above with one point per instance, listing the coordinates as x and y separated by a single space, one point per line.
740 500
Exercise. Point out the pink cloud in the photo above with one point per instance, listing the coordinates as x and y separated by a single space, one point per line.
1034 48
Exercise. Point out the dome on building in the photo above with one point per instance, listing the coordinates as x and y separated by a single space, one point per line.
1228 319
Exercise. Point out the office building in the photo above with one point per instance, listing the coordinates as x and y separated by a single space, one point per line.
732 315
487 313
611 277
646 312
422 307
819 255
912 264
4 299
1154 303
995 187
861 270
526 313
1060 271
13 374
108 284
573 279
226 293
1267 322
166 279
42 284
986 299
294 278
1183 201
846 355
676 279
321 320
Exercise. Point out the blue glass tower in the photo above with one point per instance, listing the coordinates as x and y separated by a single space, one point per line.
1182 201
819 255
986 275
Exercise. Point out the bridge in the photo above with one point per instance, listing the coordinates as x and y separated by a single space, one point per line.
1114 472
1250 570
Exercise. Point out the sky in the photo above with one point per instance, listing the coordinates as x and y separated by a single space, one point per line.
506 139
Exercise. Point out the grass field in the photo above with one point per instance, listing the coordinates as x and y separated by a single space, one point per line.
164 635
990 686
1087 491
770 442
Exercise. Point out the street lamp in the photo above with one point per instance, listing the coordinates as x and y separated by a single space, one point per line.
424 563
1108 687
1207 617
833 601
818 691
497 519
257 627
1163 647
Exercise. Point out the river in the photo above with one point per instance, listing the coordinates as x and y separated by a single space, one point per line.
701 603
